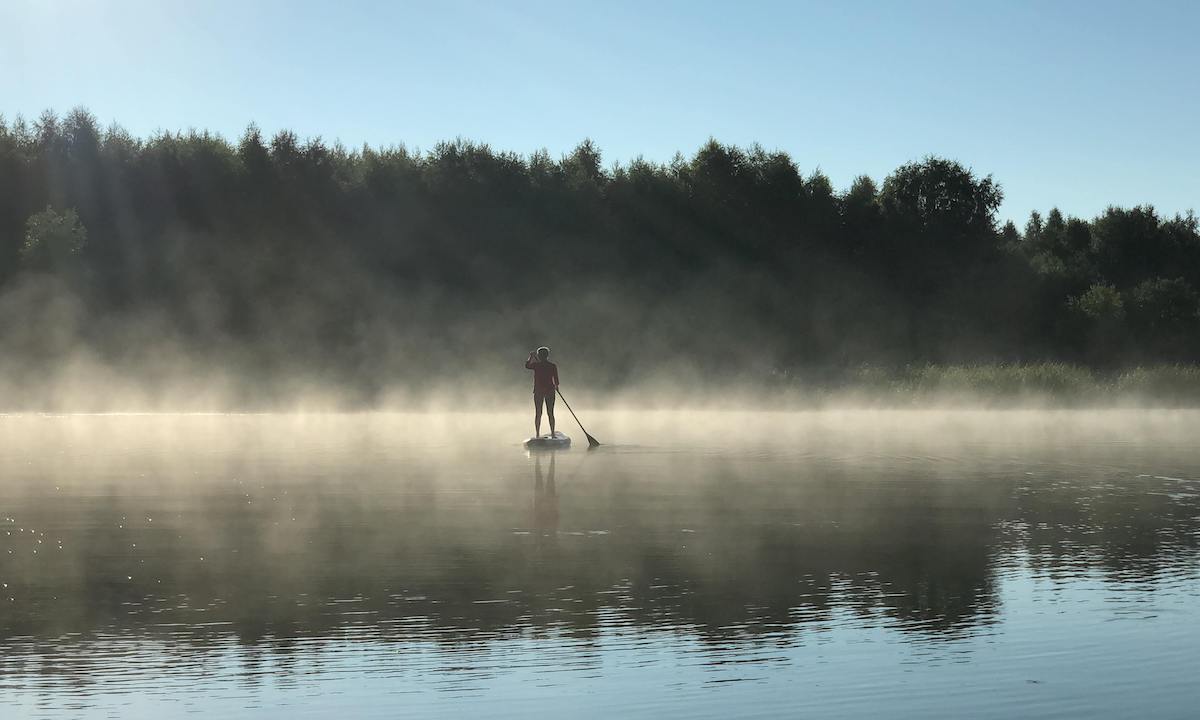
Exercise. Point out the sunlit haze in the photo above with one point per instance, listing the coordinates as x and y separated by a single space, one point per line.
601 359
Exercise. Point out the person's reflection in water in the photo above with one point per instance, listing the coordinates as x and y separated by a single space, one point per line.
545 499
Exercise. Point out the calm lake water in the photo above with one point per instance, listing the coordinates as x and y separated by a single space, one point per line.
825 564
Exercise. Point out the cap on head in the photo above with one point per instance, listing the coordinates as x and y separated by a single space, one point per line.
543 352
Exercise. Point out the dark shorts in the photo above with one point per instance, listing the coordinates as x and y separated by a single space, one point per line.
539 398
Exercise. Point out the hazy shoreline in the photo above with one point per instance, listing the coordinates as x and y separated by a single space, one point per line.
82 389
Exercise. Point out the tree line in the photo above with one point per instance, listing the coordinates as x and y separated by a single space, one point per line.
377 265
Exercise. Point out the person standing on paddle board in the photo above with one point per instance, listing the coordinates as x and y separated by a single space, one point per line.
545 384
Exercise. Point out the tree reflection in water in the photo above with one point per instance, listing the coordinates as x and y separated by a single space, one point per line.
273 546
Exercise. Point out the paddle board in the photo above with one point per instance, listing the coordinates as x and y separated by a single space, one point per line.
548 442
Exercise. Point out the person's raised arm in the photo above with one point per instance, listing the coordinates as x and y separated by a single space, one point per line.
529 360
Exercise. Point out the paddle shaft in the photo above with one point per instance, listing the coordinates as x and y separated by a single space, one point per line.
593 442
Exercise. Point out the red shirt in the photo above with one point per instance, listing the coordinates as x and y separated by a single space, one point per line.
545 376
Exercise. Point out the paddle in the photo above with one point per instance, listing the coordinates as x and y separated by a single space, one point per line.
592 442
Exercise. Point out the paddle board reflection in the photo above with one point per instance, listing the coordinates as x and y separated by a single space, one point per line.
545 498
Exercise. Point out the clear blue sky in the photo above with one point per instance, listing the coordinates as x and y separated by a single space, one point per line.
1075 104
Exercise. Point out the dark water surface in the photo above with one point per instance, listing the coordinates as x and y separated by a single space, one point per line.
830 565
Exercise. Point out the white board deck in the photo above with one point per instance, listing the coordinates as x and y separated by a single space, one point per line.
558 440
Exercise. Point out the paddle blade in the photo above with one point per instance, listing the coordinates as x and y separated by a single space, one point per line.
592 442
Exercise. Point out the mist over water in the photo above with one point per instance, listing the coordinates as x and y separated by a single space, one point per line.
699 564
871 445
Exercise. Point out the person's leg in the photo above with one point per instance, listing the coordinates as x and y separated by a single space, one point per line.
537 415
550 411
